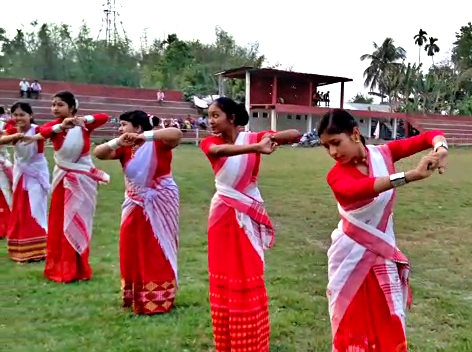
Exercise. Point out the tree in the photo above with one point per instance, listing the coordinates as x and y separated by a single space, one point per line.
462 56
361 99
446 88
381 60
49 51
420 40
432 48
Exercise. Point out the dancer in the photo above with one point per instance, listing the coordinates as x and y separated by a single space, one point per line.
239 229
6 178
74 190
28 220
368 287
150 218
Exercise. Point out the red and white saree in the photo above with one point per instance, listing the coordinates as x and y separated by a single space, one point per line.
28 221
6 178
74 192
239 230
149 234
368 285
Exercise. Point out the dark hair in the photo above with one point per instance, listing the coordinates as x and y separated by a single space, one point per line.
139 118
26 107
69 99
338 121
234 110
2 110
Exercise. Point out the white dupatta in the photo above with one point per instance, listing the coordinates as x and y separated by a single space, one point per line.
159 199
33 166
80 178
365 240
6 169
236 188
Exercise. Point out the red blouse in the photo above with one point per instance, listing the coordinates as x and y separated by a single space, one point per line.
350 185
57 139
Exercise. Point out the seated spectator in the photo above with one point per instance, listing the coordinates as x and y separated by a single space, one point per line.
160 96
35 89
24 88
203 122
188 123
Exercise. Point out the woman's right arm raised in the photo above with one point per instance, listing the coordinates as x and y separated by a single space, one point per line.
112 149
222 150
354 190
214 150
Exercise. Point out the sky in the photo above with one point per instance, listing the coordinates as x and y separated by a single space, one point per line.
308 36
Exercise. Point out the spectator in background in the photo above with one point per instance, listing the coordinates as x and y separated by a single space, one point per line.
188 123
160 96
3 114
35 89
24 88
202 122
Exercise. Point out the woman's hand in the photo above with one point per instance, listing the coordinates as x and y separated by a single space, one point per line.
266 146
80 121
443 159
127 139
17 136
69 122
427 165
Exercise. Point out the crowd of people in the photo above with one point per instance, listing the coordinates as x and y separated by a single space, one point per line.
368 276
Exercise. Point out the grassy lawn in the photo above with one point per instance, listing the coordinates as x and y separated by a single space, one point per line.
432 218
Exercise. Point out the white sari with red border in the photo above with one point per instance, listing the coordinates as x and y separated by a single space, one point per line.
159 199
6 171
34 169
80 179
365 240
236 188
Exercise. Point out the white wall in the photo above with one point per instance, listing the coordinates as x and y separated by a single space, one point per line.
260 121
364 126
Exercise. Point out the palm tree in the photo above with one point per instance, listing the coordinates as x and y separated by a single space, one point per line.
382 59
420 40
432 48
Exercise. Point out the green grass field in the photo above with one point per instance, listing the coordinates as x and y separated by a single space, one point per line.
433 224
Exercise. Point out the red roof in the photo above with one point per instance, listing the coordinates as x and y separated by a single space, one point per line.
319 80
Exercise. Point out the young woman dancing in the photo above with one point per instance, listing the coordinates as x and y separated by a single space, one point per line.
149 235
27 228
368 288
6 178
74 190
239 229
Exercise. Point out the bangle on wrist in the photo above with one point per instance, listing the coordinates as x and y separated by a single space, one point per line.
113 144
149 135
89 119
398 179
440 144
57 128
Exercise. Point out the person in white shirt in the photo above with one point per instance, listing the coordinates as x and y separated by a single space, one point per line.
35 89
160 96
24 88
